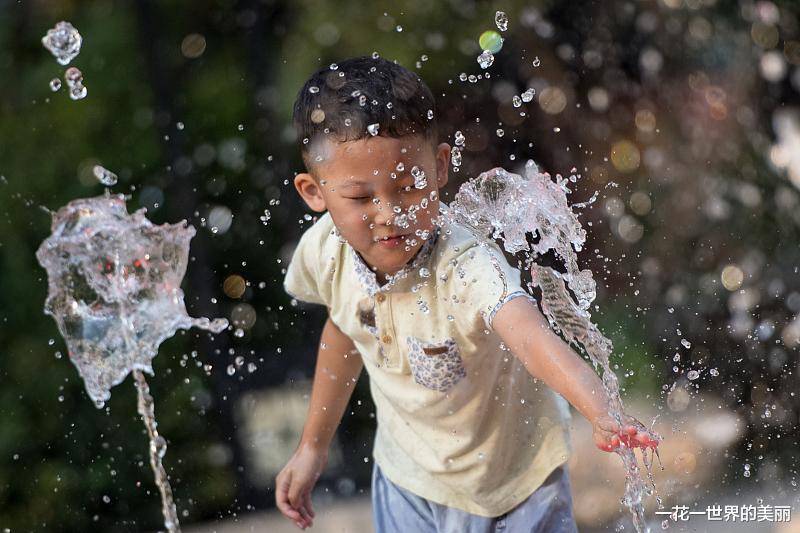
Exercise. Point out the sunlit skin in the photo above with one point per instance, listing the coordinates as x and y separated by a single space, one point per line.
354 183
363 214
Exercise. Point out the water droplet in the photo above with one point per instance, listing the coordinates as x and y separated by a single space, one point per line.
430 114
51 342
500 132
536 61
527 96
516 101
106 498
714 372
334 66
685 343
459 138
231 370
313 89
501 19
485 59
63 41
104 176
692 375
373 129
55 84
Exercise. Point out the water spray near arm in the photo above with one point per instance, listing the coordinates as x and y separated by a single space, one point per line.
529 337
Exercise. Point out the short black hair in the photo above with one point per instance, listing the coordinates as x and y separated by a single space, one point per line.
344 101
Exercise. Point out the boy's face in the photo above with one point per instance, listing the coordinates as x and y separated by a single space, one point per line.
373 190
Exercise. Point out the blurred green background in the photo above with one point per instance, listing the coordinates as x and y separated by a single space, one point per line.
682 114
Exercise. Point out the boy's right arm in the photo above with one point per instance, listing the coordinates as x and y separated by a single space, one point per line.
338 367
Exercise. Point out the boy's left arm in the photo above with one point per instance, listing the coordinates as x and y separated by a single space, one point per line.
546 356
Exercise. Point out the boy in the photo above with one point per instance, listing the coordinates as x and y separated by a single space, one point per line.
467 440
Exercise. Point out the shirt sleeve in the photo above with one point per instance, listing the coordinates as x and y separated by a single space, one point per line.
302 280
482 281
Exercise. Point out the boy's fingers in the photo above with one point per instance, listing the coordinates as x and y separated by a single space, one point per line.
281 497
308 504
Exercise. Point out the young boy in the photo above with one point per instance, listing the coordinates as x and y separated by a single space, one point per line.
467 440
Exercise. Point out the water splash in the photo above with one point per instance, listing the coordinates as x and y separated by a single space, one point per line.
506 207
114 291
114 288
63 41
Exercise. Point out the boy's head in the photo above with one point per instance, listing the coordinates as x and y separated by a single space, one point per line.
368 135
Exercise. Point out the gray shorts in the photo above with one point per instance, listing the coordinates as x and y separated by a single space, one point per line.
547 510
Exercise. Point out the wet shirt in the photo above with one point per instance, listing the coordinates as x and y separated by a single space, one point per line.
460 421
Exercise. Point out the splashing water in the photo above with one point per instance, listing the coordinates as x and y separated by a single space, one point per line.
114 288
114 291
505 207
63 41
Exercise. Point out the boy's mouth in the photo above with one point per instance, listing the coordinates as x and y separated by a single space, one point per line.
391 240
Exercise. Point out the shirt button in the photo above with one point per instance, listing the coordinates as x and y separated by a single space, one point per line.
380 297
386 339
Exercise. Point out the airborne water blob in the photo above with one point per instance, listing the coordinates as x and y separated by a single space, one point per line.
63 41
114 291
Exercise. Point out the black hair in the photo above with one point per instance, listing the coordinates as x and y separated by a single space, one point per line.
345 101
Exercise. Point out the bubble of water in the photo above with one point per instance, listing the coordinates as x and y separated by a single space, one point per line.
78 92
516 101
104 176
55 84
490 41
692 375
501 20
714 372
459 138
685 343
430 114
373 129
527 96
485 59
265 218
313 89
455 156
114 291
536 61
63 41
230 370
420 182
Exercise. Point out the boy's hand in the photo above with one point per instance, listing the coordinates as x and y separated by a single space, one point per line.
608 435
294 483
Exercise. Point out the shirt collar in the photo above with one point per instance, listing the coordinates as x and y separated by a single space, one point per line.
369 279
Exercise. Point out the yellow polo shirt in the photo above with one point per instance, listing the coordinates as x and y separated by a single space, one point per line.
460 421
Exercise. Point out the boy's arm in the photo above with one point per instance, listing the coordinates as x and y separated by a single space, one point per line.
546 356
338 367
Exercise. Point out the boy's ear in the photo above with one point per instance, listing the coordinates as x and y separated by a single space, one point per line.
442 164
310 191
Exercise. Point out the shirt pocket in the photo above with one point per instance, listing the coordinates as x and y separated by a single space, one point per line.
435 365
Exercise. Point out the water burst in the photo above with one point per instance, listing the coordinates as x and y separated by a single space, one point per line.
507 207
114 291
63 41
